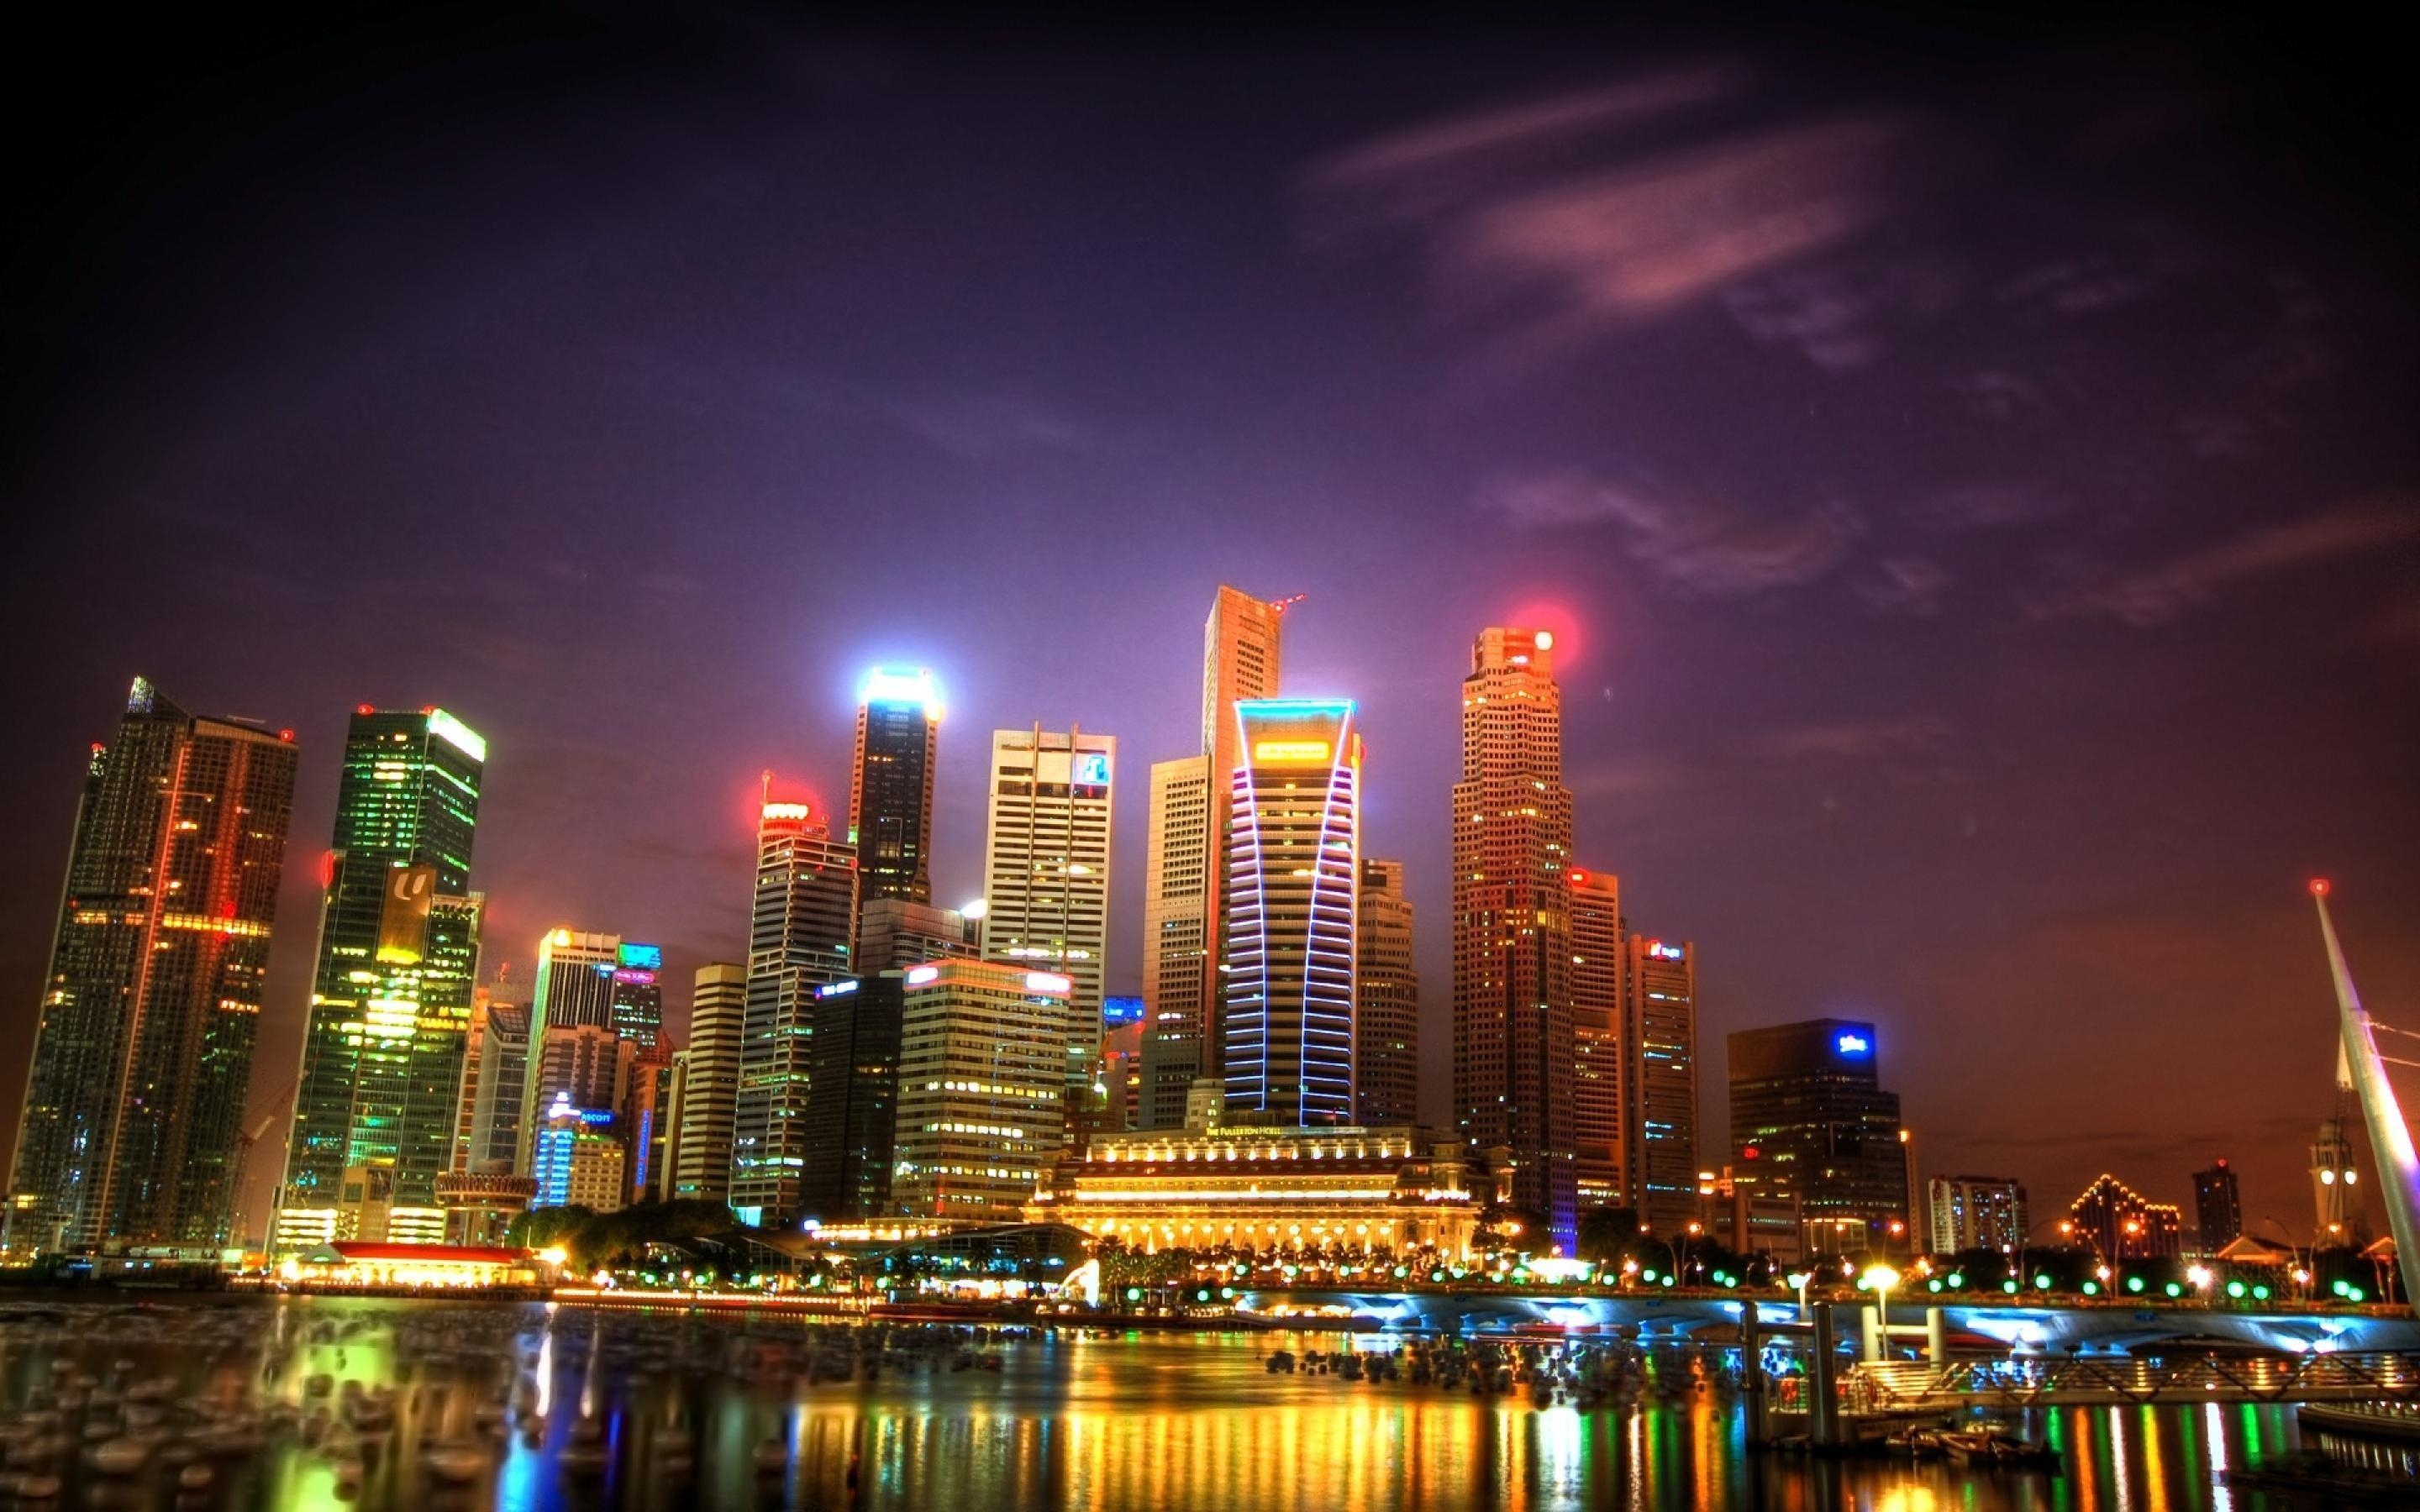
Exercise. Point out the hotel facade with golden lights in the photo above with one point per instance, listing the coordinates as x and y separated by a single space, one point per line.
1268 1188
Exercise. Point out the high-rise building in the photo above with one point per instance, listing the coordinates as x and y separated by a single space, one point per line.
1600 1146
1176 977
575 991
1661 1028
638 996
1810 1120
1182 916
799 940
894 934
1047 858
1512 1045
890 784
847 1144
493 1083
983 1055
580 1162
718 1029
133 1122
1976 1213
1293 866
391 997
2120 1225
647 1121
2218 1209
1387 1011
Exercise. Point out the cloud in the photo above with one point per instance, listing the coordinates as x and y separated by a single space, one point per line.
2080 285
1853 739
1994 506
1910 585
2160 594
1835 314
1997 395
1702 548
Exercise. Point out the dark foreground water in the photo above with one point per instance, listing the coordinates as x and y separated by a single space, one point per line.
328 1403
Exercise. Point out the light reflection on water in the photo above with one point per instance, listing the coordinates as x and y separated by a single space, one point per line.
1135 1421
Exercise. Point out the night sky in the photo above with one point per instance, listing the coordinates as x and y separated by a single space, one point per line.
1972 476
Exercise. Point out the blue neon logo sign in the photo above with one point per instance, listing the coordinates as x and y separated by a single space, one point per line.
1853 1044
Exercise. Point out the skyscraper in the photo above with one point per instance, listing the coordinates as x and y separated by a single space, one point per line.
894 934
890 784
849 1142
2121 1226
1293 866
1660 1030
1600 1041
382 1066
718 1027
1387 1011
638 996
1177 975
575 992
1189 798
982 1087
133 1122
1512 1044
1976 1213
1047 858
1810 1118
799 940
2218 1208
492 1087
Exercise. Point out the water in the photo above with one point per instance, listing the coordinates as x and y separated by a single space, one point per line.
578 1407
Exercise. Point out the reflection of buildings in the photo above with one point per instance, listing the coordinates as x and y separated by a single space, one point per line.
1292 868
1810 1117
133 1122
1268 1187
1046 859
1976 1213
2124 1227
2218 1209
1512 1046
982 1087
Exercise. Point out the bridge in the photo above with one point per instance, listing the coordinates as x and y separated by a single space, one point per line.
2088 1380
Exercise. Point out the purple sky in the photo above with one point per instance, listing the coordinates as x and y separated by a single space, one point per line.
1975 479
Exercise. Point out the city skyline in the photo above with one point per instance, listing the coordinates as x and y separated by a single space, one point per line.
1979 631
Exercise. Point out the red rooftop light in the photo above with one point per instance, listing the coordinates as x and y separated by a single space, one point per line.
2319 887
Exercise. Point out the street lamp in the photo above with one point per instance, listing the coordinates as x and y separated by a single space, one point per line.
1879 1279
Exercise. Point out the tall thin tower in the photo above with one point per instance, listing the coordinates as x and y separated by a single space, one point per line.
1182 914
799 940
890 782
143 1051
1512 923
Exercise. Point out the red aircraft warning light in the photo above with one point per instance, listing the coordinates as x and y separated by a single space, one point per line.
2319 887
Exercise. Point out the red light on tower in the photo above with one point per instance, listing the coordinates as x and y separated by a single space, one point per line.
364 708
2319 887
1579 878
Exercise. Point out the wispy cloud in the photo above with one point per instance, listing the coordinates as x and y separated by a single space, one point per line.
1909 585
1697 545
1836 316
1855 739
1988 505
2160 594
1584 213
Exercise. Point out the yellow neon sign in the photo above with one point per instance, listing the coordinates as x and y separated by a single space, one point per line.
1290 750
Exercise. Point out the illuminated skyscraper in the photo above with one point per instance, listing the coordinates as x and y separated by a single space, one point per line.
1600 1140
133 1122
1387 1007
575 991
718 1027
1189 798
491 1091
983 1085
1661 1081
1046 859
1176 977
638 996
890 784
850 1128
1976 1213
1293 866
799 940
1809 1119
381 1068
1512 1045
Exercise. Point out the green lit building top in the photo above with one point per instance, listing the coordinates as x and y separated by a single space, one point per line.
398 955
